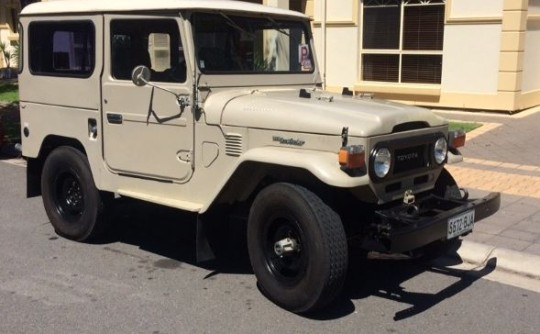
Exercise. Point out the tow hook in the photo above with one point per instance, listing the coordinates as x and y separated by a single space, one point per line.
409 202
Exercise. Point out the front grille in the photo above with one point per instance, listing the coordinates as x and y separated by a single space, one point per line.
409 158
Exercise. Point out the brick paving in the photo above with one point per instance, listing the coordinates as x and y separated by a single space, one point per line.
504 156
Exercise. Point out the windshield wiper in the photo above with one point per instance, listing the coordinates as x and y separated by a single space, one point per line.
276 26
233 24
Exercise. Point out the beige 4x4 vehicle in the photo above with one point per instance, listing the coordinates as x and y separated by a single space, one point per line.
214 106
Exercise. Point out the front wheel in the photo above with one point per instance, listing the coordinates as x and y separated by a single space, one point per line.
297 247
70 197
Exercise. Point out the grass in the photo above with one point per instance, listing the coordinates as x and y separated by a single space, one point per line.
9 93
465 126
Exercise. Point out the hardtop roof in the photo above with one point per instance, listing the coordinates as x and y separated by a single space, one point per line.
106 6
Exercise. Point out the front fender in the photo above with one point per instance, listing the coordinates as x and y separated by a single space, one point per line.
322 165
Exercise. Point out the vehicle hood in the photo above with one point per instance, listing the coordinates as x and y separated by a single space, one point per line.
321 113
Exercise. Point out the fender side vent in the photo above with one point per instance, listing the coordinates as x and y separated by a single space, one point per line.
233 145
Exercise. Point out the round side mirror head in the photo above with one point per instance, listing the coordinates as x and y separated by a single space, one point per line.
140 75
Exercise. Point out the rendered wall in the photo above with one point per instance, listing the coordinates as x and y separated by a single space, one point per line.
475 8
7 34
531 62
472 44
490 54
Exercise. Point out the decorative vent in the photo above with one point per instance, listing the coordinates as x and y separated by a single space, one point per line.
233 145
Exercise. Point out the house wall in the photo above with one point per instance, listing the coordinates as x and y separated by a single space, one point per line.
490 54
531 63
7 33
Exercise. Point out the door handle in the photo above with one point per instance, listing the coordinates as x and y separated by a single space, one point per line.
114 118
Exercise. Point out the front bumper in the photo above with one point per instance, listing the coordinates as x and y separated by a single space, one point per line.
404 227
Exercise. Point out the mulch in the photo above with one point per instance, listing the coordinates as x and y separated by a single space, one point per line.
9 117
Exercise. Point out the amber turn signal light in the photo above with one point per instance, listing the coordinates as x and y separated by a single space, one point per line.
456 138
352 157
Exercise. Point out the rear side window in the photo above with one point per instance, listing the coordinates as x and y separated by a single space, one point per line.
62 48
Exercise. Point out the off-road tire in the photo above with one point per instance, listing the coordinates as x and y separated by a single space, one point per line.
72 201
313 276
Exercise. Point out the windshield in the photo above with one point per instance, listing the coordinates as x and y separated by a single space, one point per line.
237 44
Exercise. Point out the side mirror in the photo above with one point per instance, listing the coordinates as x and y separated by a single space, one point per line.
140 75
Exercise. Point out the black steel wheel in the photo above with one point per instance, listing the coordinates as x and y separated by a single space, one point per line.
297 248
71 199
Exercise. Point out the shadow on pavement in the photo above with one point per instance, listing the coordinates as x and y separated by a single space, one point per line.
171 233
384 278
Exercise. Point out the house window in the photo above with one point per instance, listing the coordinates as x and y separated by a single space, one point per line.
402 40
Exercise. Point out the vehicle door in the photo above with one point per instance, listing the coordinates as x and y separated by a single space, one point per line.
147 132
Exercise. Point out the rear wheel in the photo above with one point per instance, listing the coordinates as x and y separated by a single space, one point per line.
71 199
297 247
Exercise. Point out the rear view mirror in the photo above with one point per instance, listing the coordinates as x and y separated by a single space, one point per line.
140 75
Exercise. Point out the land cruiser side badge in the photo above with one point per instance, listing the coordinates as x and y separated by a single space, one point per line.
288 141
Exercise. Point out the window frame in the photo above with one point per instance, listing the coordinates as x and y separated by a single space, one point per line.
400 52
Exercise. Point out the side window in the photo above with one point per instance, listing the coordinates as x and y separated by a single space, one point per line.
62 48
153 43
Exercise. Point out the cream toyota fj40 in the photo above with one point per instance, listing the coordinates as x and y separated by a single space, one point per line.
216 105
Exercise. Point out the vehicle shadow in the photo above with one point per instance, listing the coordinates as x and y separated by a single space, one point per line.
171 233
384 278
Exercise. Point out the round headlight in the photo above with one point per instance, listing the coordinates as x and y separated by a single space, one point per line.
382 162
440 150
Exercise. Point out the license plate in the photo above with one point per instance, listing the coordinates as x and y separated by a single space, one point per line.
460 224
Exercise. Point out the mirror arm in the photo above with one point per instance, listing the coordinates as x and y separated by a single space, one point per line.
163 89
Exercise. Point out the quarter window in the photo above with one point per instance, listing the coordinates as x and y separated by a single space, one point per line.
402 40
62 48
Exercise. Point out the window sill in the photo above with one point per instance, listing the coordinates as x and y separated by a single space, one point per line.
399 89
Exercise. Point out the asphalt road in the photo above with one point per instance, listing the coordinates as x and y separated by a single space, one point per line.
145 280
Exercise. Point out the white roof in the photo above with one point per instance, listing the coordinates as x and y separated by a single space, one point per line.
105 6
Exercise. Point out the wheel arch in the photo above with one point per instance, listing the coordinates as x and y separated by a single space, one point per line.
242 189
35 165
262 166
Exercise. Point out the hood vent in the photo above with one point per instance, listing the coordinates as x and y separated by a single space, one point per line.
410 126
233 145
